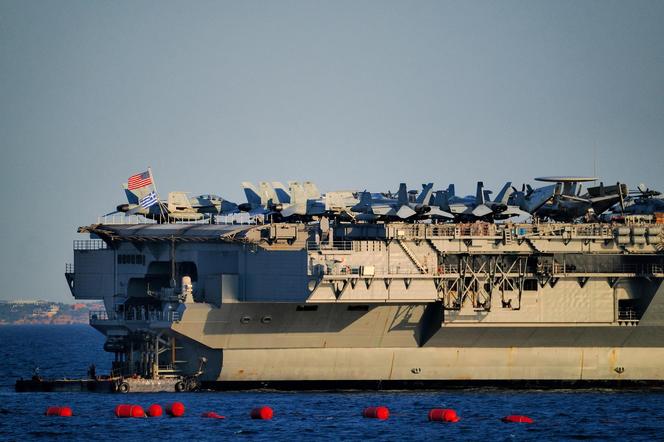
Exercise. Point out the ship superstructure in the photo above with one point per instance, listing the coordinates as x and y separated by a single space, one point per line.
335 304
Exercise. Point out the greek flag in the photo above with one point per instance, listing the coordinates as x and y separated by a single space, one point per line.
148 200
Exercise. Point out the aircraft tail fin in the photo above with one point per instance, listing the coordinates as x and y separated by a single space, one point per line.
402 195
479 195
178 201
450 191
297 192
282 192
504 194
311 190
440 198
267 193
132 198
253 197
425 195
365 198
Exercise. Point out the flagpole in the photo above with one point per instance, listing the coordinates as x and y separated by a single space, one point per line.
154 184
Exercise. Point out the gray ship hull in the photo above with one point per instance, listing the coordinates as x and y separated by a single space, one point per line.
380 306
381 348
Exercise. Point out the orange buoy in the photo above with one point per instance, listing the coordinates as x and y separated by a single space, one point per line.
263 412
212 415
127 410
59 411
176 409
516 418
381 413
155 410
443 415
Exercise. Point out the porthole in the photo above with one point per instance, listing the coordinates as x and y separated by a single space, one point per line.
266 319
245 319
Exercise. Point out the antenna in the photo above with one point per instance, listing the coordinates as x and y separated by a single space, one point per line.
595 162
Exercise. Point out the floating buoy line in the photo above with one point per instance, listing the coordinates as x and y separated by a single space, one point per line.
177 409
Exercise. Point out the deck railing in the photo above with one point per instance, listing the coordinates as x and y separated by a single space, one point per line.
89 244
241 218
134 314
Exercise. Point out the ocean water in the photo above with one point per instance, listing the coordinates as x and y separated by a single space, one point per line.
68 350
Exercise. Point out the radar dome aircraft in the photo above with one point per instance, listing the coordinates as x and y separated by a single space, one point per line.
568 203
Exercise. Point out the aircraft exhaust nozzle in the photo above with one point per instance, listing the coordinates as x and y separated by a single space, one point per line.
422 209
499 208
122 208
244 207
277 207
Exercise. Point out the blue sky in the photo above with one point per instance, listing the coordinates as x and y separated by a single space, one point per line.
349 94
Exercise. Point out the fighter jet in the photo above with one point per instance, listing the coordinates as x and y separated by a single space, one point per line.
306 201
480 206
264 200
529 199
142 199
642 201
372 206
568 203
299 201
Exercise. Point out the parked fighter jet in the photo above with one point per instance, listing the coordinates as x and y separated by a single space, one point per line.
142 199
642 201
264 200
529 199
306 201
480 206
373 206
568 203
301 200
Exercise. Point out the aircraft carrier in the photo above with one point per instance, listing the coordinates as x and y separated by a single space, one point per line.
378 290
391 305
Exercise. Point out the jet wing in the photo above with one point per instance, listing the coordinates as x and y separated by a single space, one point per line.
405 212
294 209
436 212
515 211
482 210
382 210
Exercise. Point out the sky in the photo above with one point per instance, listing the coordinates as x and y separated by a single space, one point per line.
349 94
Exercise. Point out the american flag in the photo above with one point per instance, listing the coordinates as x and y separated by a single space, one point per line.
148 200
139 180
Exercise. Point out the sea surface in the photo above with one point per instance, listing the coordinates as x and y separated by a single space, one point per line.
67 351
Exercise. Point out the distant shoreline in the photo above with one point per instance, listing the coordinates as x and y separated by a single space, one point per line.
46 312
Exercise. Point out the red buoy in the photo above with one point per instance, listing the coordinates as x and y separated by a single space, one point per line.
264 413
155 410
127 410
443 415
212 415
59 411
176 409
516 418
381 413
